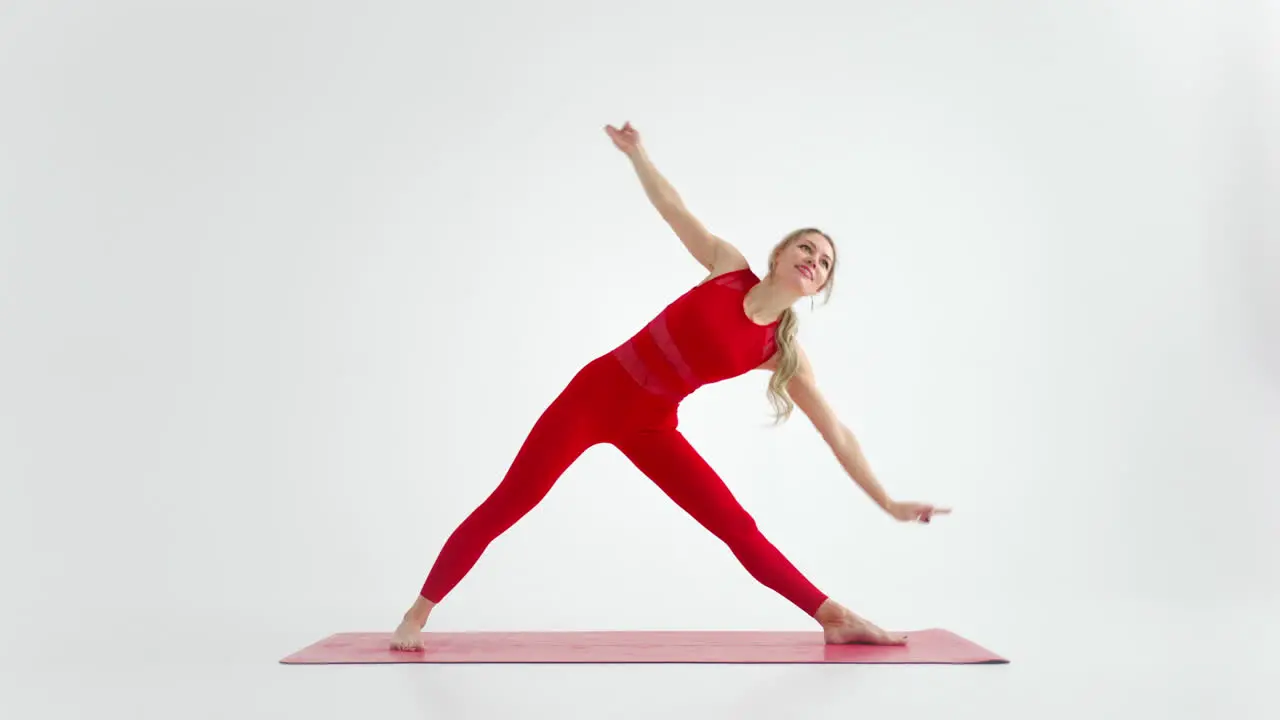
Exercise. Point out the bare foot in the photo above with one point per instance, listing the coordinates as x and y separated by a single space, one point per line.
840 626
408 635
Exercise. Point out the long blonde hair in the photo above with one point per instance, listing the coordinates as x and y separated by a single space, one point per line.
788 360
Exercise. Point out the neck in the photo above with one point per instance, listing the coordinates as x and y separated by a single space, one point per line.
766 301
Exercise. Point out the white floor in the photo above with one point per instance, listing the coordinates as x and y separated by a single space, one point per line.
1130 662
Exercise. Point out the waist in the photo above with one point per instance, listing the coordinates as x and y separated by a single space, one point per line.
652 368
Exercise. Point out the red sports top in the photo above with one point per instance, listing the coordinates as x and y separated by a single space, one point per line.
703 336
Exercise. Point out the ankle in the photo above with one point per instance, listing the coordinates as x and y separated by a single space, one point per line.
417 620
418 614
829 613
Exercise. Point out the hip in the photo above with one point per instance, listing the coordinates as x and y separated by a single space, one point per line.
605 388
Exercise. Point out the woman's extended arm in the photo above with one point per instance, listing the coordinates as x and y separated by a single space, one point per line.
709 250
804 391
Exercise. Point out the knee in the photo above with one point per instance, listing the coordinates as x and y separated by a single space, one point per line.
503 508
737 528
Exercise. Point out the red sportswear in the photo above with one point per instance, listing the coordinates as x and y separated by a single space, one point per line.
628 398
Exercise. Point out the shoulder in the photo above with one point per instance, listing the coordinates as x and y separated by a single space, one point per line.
729 259
804 368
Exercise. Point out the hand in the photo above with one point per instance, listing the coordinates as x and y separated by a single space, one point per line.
914 511
625 139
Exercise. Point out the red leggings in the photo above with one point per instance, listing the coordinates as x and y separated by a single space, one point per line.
602 404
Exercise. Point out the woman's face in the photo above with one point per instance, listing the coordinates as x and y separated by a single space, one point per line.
807 263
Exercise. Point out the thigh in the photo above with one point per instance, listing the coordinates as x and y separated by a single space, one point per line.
667 458
571 423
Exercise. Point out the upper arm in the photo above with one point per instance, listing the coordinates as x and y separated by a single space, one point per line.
803 389
712 252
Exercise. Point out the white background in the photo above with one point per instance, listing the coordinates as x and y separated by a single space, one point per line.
284 285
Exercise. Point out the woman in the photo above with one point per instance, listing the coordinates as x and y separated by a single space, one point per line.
728 324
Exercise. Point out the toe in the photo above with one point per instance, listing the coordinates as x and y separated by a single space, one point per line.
887 639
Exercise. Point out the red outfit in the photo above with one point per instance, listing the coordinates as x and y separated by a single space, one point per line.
628 398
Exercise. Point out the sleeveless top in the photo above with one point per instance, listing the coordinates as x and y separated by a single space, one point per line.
703 336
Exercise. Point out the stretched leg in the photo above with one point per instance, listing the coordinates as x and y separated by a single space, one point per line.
561 434
679 471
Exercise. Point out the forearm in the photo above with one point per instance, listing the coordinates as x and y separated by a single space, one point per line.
849 452
660 192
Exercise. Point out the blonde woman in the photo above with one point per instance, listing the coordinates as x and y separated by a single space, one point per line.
730 323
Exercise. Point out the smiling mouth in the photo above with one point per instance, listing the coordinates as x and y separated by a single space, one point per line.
806 272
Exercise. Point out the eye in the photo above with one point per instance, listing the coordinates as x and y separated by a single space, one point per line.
826 264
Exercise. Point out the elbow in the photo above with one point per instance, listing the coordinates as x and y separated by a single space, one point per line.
841 437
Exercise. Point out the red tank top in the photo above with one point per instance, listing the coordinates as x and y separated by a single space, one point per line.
703 336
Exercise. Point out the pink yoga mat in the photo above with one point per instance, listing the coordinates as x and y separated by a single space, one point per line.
923 647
